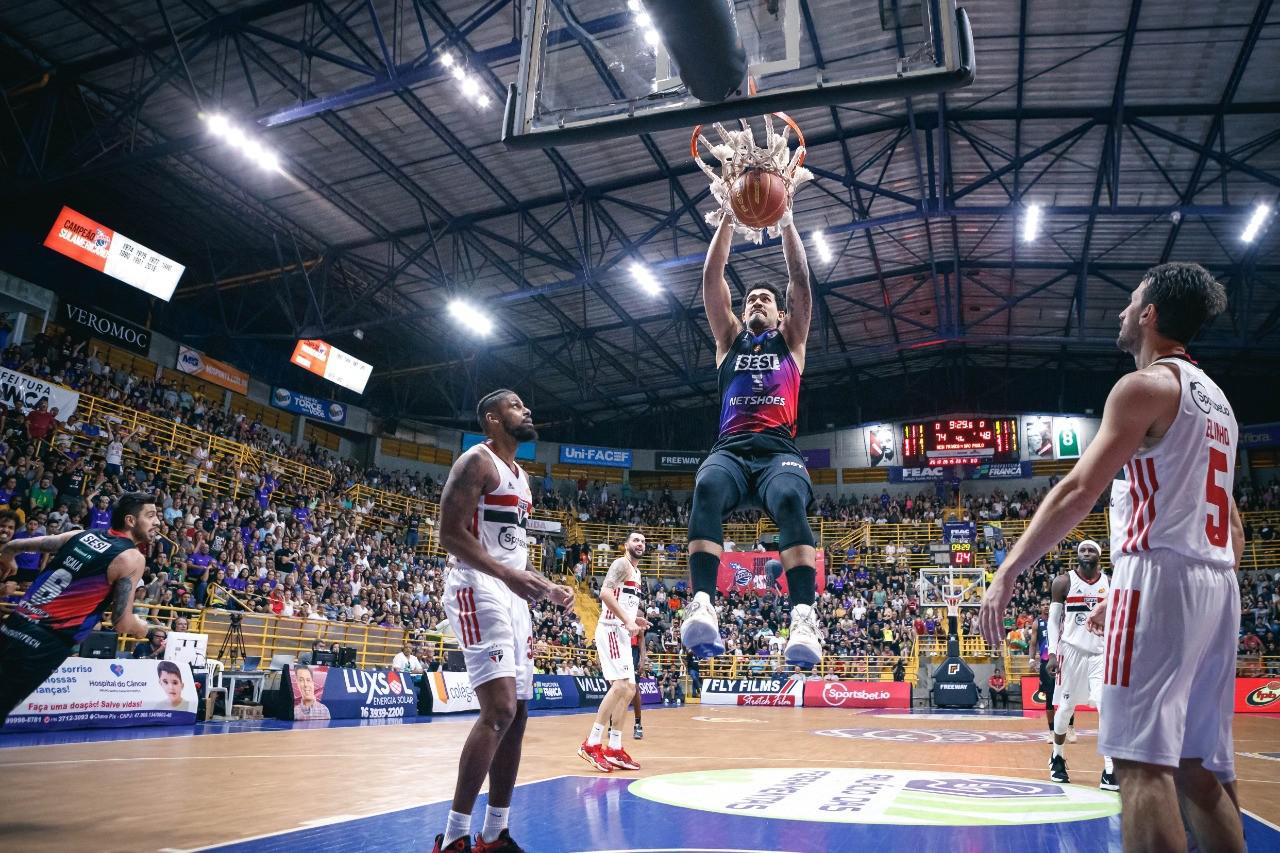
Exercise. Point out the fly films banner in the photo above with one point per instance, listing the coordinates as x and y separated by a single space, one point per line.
23 392
753 691
90 693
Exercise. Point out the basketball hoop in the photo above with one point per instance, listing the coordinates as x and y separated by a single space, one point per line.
738 152
952 594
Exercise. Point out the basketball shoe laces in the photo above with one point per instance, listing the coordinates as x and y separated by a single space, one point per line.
805 623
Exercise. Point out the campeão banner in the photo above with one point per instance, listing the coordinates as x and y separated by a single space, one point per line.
90 693
745 571
94 245
220 373
23 392
857 694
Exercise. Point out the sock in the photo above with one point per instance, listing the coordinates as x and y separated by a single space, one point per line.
615 739
597 734
704 568
1107 766
458 826
802 582
638 723
495 820
1057 749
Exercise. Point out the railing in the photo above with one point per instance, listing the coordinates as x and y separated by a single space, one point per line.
1258 666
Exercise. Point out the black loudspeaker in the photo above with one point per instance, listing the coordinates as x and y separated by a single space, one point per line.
347 657
99 644
455 660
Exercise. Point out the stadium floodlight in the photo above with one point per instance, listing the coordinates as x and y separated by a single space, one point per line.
820 244
1031 223
468 315
446 59
233 135
1256 221
648 283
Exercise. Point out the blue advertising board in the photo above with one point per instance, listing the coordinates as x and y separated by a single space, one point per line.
818 457
577 454
313 407
554 691
334 693
524 450
1260 435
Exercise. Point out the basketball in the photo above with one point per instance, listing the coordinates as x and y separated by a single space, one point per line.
759 198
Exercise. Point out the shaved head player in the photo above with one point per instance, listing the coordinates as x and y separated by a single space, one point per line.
1173 608
487 592
760 357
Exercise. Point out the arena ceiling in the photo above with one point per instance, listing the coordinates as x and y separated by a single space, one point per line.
1147 130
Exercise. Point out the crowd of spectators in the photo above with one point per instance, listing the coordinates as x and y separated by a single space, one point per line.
290 549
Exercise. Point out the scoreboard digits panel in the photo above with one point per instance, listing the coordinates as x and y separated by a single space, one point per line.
960 441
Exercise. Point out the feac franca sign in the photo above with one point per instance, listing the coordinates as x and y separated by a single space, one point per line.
576 454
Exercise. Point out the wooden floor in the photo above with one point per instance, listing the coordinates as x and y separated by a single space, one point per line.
176 793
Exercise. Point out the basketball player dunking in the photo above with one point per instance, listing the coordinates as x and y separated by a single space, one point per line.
1075 653
88 570
760 357
1173 610
619 624
488 589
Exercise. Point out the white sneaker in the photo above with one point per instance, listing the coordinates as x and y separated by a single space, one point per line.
1072 737
804 644
700 631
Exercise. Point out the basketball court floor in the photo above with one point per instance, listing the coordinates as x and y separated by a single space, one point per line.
715 780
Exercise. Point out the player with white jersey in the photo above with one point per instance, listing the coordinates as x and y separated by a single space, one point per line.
1173 609
1075 653
619 622
488 588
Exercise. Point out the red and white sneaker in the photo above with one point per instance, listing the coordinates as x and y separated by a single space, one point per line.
594 755
502 844
619 759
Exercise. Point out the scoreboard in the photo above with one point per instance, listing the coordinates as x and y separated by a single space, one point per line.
960 441
960 537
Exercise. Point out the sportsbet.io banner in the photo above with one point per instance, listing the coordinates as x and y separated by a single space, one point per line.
313 407
90 693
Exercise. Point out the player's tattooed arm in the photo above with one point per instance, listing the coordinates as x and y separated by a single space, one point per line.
795 325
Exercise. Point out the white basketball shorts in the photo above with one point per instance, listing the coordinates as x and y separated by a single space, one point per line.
613 646
1169 661
1079 678
493 626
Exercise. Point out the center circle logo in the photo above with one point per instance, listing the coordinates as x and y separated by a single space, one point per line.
943 735
863 795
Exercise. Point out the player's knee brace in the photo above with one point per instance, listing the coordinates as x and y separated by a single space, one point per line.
713 497
788 500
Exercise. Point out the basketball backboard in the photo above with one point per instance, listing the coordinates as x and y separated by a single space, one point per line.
599 69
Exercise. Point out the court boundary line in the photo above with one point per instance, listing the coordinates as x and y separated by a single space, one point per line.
336 819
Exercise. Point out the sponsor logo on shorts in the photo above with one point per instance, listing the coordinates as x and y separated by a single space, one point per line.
793 464
871 796
1264 695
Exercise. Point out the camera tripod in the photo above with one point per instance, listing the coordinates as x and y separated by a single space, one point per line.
233 644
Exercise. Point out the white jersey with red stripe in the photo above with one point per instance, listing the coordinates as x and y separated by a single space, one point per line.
1082 598
624 579
1177 495
501 515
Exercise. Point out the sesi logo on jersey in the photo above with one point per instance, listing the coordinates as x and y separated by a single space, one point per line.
756 363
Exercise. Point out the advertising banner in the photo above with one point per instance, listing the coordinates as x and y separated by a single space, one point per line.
1260 435
577 454
1033 699
452 692
94 245
753 691
1257 695
83 321
312 407
857 694
591 689
879 441
554 691
90 693
650 694
219 373
747 571
817 457
936 474
997 471
1068 439
675 461
327 361
23 392
524 450
542 525
336 693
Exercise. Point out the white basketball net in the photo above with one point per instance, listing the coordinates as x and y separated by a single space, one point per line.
952 594
737 152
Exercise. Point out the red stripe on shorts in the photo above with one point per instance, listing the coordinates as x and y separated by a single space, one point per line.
1140 511
1114 621
1133 503
1129 629
475 621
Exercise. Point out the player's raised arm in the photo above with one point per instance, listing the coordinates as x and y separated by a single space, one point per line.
716 297
795 324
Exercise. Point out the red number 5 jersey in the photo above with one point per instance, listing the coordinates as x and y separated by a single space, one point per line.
1177 495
